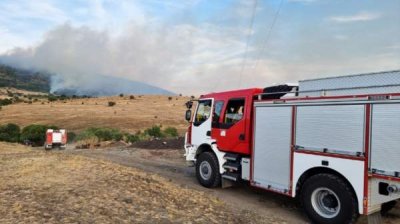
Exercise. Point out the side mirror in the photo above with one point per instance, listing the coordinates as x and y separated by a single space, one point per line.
188 115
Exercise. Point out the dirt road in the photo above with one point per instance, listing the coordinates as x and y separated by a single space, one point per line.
170 164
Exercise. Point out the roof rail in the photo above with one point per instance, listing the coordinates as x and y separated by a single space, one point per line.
324 92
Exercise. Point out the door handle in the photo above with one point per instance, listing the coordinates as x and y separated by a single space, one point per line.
242 137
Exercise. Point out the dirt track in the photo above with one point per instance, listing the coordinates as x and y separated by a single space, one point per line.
171 164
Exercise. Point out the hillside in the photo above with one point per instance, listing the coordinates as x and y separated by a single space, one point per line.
24 79
99 85
128 114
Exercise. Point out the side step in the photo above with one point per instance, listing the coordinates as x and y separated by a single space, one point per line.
235 166
232 168
231 176
232 157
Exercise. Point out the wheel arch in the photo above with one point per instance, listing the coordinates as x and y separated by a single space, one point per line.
203 148
318 170
212 147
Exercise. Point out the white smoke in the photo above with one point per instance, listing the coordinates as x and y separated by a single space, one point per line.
191 59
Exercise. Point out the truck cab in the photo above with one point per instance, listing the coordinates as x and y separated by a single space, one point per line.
224 119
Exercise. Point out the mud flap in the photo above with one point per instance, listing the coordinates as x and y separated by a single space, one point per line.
227 183
375 218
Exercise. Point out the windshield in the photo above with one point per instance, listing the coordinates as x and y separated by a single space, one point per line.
203 112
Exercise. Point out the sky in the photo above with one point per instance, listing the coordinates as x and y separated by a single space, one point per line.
200 46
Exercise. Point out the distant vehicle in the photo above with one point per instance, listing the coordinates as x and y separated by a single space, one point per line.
56 138
334 143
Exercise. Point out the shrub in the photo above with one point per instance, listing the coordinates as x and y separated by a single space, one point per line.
86 134
71 136
170 98
111 103
52 98
106 134
132 97
154 131
10 133
121 95
171 132
5 102
103 134
131 138
35 133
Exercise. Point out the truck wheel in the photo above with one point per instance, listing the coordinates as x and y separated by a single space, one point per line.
207 170
327 198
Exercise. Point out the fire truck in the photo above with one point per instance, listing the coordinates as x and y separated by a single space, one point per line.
56 138
332 143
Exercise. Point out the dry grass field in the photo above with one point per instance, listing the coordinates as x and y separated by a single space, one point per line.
78 114
53 187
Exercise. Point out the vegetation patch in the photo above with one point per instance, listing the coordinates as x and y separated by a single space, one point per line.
10 133
35 134
92 137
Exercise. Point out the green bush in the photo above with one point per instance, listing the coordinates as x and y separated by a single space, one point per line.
171 132
52 98
154 131
131 138
34 133
71 136
10 133
86 134
103 134
5 102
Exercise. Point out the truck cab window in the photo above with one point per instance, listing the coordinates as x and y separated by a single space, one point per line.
203 112
234 111
217 112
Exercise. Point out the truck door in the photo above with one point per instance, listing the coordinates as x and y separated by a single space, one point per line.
230 131
201 127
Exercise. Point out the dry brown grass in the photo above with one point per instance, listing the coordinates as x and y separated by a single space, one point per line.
128 114
51 187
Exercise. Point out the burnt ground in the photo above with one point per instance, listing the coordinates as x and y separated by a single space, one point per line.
172 143
170 164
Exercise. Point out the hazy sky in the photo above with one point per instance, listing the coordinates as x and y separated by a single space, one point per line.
198 46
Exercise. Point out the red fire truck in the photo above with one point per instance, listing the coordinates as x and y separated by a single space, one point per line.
332 143
56 138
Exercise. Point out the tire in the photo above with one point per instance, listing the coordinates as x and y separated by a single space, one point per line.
328 199
207 170
386 207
